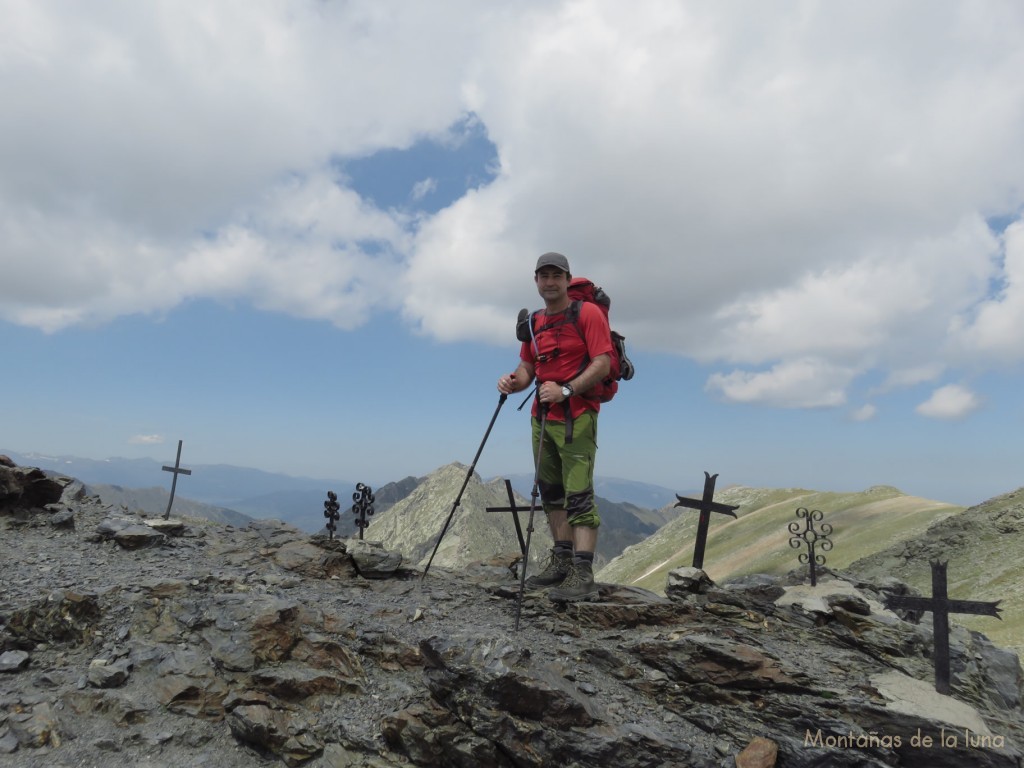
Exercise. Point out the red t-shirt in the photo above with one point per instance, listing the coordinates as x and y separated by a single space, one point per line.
563 352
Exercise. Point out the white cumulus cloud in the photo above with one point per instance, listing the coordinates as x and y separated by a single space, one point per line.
994 327
865 413
423 188
797 196
805 383
952 401
146 439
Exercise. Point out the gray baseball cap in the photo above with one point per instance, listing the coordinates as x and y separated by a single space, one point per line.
552 259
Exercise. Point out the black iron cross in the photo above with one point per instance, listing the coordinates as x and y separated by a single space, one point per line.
363 507
177 470
941 606
706 507
331 507
515 510
812 538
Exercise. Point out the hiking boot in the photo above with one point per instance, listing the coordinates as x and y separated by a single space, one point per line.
578 585
554 573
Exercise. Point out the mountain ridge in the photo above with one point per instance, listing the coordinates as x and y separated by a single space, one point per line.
234 487
199 644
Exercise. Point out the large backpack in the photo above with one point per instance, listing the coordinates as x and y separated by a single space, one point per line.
580 290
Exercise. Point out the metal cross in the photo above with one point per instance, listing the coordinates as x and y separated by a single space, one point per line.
177 470
363 507
515 510
706 507
331 507
811 538
941 606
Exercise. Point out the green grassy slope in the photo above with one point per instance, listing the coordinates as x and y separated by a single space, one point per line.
758 541
984 548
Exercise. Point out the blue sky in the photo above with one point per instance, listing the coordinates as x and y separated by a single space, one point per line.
296 235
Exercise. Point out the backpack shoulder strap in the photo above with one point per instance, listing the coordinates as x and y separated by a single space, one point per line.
571 315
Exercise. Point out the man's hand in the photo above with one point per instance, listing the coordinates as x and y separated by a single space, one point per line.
550 392
507 384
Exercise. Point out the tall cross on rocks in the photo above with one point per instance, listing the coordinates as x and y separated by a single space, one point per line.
332 513
363 506
941 606
515 510
177 470
812 538
706 507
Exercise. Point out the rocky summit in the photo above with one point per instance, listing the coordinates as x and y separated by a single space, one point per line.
128 641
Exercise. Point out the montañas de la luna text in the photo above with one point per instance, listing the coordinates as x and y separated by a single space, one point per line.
950 739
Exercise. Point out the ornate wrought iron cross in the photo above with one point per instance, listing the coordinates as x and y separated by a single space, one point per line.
811 538
706 507
177 470
331 507
515 510
363 507
941 606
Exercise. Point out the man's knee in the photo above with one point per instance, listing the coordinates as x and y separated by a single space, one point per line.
581 509
552 495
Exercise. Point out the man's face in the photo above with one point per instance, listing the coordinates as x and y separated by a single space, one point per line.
552 283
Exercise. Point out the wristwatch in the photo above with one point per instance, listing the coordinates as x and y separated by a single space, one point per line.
567 391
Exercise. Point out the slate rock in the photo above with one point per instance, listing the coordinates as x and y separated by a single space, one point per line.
172 526
13 661
854 604
36 728
8 741
314 560
759 753
760 589
991 672
63 519
701 659
683 582
200 697
139 536
372 561
110 526
29 488
284 734
103 674
62 617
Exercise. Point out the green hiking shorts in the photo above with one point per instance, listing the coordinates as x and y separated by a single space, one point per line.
566 478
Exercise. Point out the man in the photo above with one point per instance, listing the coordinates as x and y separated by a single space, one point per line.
568 356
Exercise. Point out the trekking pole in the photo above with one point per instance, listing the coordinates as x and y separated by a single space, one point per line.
501 401
533 508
